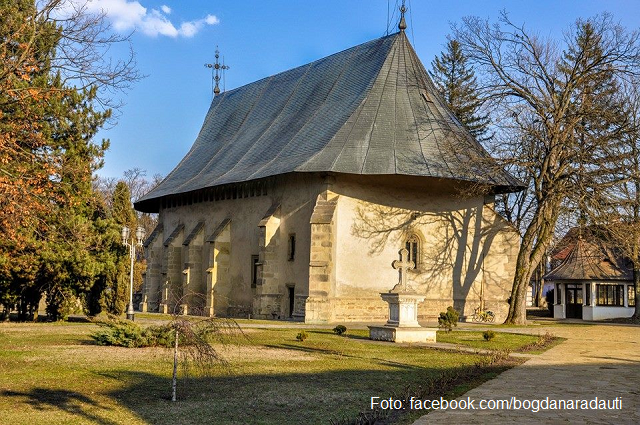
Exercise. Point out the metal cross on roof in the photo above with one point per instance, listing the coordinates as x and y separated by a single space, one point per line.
402 266
215 72
402 25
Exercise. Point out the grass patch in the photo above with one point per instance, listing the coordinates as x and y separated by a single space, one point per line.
534 344
54 373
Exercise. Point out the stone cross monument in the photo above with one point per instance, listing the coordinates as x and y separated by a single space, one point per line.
402 325
402 265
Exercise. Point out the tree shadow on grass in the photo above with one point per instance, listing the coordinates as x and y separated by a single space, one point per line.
273 397
71 402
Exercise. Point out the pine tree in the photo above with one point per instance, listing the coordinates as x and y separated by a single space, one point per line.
456 81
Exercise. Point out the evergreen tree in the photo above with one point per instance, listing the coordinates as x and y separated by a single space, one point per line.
456 81
121 207
117 283
56 237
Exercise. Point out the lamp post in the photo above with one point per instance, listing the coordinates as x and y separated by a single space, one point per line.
127 240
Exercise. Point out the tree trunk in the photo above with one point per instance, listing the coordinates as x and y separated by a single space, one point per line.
174 382
534 245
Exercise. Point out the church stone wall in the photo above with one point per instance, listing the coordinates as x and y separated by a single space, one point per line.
152 283
230 290
467 252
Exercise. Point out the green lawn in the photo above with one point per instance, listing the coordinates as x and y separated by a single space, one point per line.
53 373
501 341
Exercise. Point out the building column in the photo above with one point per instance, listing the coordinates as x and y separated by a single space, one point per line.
192 290
322 277
219 251
152 277
172 268
267 303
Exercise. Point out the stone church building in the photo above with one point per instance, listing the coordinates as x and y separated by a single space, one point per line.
302 187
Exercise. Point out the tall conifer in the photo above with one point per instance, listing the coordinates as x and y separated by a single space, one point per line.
456 81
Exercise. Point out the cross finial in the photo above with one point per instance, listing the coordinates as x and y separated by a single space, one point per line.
215 72
402 266
403 24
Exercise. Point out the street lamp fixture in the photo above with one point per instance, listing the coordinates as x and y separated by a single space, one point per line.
127 240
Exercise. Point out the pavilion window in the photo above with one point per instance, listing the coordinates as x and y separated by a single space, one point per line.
413 246
587 293
631 295
610 295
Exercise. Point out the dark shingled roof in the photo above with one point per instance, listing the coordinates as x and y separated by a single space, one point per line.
590 261
370 109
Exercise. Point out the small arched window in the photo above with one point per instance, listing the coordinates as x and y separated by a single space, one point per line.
413 246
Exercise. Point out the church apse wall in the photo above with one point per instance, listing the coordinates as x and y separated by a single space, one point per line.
465 252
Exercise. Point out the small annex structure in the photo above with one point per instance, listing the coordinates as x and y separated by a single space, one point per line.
592 281
301 188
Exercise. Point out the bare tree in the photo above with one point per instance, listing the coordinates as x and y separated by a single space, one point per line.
83 56
556 109
193 337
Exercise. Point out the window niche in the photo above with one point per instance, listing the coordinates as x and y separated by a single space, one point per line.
255 263
291 255
412 245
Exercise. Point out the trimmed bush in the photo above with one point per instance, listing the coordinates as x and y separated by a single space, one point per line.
340 329
124 333
120 334
448 319
302 335
488 335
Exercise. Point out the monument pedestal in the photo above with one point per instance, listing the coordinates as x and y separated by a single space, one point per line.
389 333
402 325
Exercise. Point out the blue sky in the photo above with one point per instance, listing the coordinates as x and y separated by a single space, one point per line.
173 40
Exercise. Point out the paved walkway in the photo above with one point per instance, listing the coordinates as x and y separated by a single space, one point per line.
596 361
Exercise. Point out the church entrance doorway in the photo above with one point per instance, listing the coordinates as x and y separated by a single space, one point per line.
574 301
291 299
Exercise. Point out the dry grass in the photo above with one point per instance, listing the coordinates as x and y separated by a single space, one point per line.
52 373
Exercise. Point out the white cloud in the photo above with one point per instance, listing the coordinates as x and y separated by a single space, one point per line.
127 15
211 20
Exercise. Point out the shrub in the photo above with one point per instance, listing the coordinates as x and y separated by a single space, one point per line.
340 329
488 335
120 334
302 335
160 336
124 333
448 319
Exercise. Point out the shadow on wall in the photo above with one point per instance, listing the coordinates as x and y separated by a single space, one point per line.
455 247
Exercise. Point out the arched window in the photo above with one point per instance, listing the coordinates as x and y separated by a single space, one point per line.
413 246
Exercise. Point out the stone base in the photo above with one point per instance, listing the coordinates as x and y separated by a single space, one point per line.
394 334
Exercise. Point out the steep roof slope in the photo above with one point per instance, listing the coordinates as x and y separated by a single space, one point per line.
370 109
590 261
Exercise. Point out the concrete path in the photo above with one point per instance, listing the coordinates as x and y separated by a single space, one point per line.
600 361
